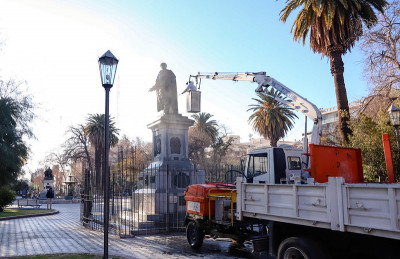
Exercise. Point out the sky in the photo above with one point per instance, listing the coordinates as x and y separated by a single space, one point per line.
55 46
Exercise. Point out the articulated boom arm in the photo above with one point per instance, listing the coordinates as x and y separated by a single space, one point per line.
298 102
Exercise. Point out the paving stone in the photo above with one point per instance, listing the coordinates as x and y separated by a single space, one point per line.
64 233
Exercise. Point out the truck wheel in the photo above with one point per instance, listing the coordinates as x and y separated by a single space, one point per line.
194 235
300 248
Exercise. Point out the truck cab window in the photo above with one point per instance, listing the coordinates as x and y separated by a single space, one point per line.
258 165
294 163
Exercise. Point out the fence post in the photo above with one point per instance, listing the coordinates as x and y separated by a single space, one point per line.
86 198
167 218
231 173
113 188
195 173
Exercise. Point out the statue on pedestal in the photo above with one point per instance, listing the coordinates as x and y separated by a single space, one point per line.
48 173
165 87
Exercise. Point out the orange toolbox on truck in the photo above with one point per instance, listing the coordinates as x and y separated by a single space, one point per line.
200 198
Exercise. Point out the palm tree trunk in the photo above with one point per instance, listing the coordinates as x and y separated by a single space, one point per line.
337 68
273 142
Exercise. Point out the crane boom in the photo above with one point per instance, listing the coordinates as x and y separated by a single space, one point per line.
297 102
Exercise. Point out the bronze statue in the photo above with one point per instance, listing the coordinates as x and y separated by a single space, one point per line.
48 173
166 91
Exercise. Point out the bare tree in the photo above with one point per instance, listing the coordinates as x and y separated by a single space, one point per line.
76 147
58 158
143 151
381 48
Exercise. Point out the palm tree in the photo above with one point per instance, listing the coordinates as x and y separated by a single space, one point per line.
202 123
96 132
270 118
334 27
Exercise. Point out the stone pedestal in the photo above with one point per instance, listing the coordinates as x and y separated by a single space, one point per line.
47 183
161 186
170 138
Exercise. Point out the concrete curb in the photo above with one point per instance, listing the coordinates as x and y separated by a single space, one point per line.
83 253
30 215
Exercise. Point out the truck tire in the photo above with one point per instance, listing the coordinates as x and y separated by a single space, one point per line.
194 235
301 248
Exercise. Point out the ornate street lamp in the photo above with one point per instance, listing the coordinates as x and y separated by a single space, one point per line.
394 114
108 67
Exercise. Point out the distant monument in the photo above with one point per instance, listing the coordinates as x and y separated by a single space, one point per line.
48 182
162 190
165 87
48 174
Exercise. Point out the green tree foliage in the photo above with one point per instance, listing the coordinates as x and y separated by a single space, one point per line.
367 135
7 197
95 131
198 141
203 123
271 118
220 148
21 184
205 134
334 27
16 112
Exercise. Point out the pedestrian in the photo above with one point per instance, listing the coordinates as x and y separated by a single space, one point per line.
50 196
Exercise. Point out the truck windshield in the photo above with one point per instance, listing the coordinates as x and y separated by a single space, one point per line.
258 165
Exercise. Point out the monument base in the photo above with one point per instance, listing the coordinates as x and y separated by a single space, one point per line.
161 186
47 183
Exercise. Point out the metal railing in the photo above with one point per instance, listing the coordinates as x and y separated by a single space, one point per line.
145 199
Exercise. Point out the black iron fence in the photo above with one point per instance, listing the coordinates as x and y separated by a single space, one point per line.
145 199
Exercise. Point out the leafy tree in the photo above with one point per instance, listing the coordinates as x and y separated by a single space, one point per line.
271 118
220 148
381 48
334 27
7 197
367 135
20 184
16 113
198 141
13 150
23 105
95 131
203 123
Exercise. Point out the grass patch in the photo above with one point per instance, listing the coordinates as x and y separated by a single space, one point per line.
65 256
21 212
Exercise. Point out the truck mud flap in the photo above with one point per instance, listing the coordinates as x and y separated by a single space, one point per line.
259 245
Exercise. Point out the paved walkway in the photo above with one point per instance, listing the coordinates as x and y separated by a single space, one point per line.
63 233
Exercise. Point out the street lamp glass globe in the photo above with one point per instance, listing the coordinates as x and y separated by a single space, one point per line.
108 67
394 114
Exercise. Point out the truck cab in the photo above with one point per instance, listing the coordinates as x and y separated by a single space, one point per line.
275 165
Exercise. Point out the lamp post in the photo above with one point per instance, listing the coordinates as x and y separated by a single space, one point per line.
394 114
108 67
